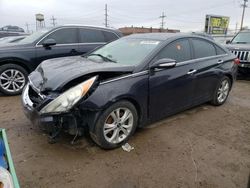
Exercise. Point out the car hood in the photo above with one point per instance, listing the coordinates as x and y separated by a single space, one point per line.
53 74
243 47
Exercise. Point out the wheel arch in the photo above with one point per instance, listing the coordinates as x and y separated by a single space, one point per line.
94 115
16 61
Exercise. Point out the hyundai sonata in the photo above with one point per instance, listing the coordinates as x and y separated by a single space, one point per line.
128 83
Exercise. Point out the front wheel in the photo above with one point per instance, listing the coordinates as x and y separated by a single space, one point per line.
222 91
12 79
116 124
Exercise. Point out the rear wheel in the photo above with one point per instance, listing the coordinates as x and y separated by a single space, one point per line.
115 126
12 79
222 91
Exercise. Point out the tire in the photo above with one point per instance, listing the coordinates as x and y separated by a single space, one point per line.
109 123
222 91
13 78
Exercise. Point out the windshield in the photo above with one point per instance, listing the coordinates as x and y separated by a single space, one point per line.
243 37
33 37
125 51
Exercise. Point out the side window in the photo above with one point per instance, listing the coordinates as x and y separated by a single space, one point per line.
64 36
177 50
110 36
91 35
219 50
203 48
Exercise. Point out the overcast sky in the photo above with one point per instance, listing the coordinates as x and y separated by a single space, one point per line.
186 15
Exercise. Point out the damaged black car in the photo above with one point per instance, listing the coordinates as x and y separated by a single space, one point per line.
126 84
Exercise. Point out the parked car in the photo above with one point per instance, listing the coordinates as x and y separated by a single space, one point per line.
18 60
12 28
128 83
240 46
12 39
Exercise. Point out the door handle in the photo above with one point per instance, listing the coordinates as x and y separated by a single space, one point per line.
220 61
192 71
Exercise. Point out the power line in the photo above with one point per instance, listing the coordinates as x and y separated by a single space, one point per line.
244 5
53 21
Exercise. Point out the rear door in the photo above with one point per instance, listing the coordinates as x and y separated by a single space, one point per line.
66 45
208 58
171 90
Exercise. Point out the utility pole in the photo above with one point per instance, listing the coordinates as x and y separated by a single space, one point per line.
236 27
244 5
53 21
27 27
163 16
106 16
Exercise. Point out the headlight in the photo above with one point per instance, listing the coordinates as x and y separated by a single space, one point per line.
69 98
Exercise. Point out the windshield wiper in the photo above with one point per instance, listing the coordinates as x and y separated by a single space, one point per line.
241 42
103 57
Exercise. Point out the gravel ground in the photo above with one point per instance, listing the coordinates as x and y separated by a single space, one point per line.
203 147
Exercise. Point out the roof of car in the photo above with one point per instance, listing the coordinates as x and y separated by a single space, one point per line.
162 36
90 26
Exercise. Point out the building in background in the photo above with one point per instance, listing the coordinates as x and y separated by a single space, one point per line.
131 30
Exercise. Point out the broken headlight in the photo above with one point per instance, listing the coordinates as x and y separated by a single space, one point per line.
69 98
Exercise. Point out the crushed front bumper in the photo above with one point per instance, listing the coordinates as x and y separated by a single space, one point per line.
45 122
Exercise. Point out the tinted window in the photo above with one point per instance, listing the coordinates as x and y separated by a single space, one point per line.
219 50
178 50
91 35
64 36
109 36
203 48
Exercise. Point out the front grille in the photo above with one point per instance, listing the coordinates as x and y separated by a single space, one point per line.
242 55
34 97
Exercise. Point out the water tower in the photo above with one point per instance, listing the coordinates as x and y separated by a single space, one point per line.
40 21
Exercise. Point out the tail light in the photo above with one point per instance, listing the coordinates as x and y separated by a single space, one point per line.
237 61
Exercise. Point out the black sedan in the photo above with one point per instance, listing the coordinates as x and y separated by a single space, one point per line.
128 83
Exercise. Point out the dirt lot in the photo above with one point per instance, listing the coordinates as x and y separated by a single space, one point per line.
204 147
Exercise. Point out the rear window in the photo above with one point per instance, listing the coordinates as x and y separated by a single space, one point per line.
109 36
91 35
203 48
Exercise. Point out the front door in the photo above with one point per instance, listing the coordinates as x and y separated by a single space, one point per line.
171 90
66 45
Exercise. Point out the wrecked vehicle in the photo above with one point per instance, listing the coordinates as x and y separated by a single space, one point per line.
126 84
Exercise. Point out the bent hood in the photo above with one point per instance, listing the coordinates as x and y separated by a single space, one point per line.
53 74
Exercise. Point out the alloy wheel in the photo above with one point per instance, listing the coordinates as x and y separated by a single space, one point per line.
12 80
223 91
118 125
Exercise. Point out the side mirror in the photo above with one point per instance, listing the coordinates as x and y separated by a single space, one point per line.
164 63
228 41
49 42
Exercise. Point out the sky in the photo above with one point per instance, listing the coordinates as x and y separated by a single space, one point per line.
186 15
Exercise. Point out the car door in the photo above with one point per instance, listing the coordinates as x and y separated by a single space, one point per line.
171 90
208 57
90 38
66 45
